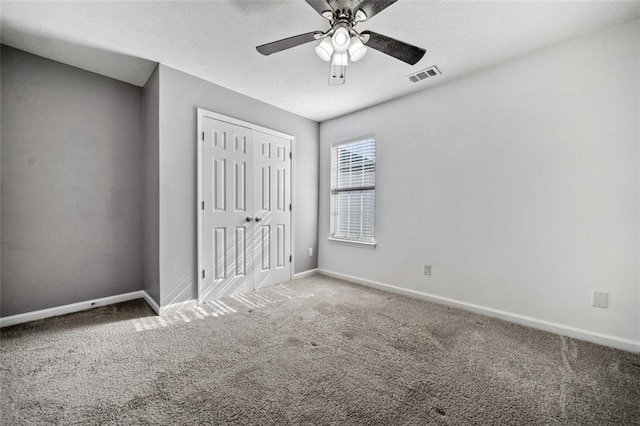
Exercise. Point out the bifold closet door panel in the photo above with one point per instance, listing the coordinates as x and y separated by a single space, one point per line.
227 238
272 204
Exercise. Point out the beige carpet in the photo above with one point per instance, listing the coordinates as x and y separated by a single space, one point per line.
314 351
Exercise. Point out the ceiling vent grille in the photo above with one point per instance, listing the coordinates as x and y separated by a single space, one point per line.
424 74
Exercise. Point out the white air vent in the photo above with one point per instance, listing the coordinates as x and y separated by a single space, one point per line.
424 74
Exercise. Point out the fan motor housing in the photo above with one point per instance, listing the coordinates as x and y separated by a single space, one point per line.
344 5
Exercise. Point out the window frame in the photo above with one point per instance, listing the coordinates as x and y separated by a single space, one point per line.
333 191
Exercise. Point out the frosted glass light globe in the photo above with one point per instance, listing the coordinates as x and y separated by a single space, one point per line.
340 39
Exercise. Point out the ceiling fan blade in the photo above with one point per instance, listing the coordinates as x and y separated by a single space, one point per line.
320 5
287 43
396 48
373 7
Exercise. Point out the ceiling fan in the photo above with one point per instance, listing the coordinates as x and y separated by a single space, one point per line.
342 41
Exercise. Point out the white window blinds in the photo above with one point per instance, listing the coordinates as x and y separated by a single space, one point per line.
353 190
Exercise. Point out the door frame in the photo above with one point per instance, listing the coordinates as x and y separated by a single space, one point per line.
202 113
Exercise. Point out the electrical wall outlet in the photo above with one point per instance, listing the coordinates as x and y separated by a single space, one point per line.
427 269
310 252
600 299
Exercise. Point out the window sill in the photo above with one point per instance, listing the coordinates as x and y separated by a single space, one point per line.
362 244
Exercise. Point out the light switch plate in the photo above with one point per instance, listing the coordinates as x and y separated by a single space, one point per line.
427 269
600 299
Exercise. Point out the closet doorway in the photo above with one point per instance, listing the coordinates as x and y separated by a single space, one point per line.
245 206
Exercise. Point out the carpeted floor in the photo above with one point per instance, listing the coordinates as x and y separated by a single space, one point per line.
313 351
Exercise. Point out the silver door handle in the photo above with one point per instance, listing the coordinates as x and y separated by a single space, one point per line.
258 219
249 219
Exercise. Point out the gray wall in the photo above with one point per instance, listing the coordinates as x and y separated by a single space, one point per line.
0 178
180 95
519 184
151 200
71 184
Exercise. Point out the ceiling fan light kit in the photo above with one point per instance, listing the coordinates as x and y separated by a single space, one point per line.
325 49
342 41
357 50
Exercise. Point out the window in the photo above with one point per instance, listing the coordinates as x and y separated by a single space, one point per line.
353 190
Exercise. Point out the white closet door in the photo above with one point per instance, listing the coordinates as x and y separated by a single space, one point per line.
228 202
272 197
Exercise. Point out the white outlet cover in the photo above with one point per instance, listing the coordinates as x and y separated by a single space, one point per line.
310 252
427 269
600 299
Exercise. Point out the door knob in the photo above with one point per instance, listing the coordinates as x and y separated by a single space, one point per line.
258 219
249 219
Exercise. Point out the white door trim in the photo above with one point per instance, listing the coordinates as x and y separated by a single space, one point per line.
202 113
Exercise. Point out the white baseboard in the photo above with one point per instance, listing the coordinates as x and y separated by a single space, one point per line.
578 333
68 309
89 304
178 307
151 302
305 274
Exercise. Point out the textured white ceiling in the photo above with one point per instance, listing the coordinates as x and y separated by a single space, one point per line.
216 41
